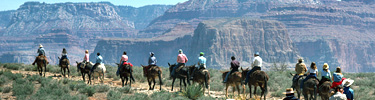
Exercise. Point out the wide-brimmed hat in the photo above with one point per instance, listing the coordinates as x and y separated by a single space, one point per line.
288 91
300 59
40 45
347 82
325 66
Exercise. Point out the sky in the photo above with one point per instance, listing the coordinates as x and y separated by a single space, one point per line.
14 4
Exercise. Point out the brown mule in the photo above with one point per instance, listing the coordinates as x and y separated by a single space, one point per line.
41 61
296 85
201 76
153 72
310 88
125 74
181 73
325 90
257 78
234 80
64 64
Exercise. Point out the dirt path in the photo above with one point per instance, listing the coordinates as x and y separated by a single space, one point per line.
137 87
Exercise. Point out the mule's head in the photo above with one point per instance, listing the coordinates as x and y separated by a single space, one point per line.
79 66
171 67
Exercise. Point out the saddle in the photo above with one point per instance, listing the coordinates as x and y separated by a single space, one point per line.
179 68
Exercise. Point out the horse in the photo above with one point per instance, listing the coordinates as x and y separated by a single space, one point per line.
234 80
125 74
257 78
310 87
201 76
325 90
153 73
99 71
85 69
296 85
181 73
41 62
64 64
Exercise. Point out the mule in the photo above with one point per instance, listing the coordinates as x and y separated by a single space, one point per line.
325 90
296 85
180 73
201 76
98 72
310 88
125 74
64 64
234 80
41 61
153 72
85 69
257 78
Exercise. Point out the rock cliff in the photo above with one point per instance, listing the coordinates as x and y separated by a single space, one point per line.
219 39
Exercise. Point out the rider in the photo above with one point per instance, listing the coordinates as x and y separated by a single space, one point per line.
181 60
339 94
86 58
289 93
326 74
337 77
349 92
300 70
151 62
41 52
124 58
201 63
257 64
64 54
233 68
311 73
99 61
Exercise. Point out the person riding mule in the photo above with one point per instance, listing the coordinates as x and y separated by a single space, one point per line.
326 74
41 52
64 62
201 64
234 65
123 62
151 63
337 78
300 71
153 73
99 61
257 64
181 60
64 55
312 72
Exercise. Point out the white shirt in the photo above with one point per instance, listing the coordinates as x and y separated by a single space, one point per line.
257 61
313 70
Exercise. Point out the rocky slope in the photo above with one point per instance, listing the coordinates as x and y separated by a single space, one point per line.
219 39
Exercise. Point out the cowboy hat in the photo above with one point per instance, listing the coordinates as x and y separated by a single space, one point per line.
288 91
325 66
40 45
347 82
300 59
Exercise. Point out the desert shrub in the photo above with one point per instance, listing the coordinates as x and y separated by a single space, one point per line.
88 90
12 76
3 80
125 89
65 81
193 91
30 68
137 96
102 88
53 88
76 85
13 66
33 78
113 95
53 69
206 98
6 89
22 87
162 95
44 81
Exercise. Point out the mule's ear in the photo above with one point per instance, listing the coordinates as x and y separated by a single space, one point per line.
77 62
142 65
117 64
247 68
241 69
169 64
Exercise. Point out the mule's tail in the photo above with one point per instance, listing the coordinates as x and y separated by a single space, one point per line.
159 74
206 79
265 87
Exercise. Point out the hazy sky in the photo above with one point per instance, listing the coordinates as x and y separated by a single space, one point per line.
14 4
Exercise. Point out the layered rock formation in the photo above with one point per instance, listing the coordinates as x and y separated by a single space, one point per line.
219 39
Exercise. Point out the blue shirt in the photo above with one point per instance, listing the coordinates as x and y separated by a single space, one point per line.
152 60
337 77
326 73
99 59
41 51
349 93
201 60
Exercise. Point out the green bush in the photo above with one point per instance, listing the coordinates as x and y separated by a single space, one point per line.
3 80
88 90
30 68
6 89
125 89
137 96
13 66
102 88
65 81
53 88
12 76
76 85
113 95
161 95
206 98
33 78
193 92
22 87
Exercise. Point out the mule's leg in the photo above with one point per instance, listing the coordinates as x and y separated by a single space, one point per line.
261 93
68 71
226 91
126 80
233 90
238 89
153 87
122 81
61 70
45 68
160 80
130 81
185 79
250 91
255 91
149 83
173 83
180 84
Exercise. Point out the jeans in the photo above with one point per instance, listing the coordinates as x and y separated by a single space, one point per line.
118 68
175 67
230 72
255 68
312 75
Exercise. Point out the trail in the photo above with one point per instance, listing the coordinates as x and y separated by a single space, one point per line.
137 87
